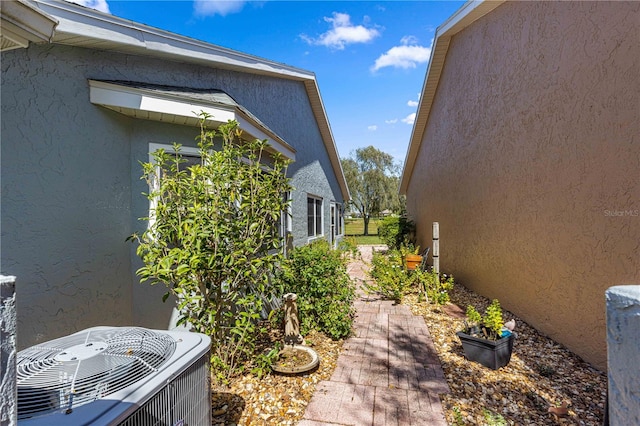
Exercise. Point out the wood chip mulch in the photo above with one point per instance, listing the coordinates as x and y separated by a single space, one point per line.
275 399
543 384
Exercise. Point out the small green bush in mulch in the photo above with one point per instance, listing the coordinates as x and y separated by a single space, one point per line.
318 275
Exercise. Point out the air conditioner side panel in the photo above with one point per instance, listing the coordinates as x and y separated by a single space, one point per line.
186 398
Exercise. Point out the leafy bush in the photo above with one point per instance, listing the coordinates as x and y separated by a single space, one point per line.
391 280
349 247
318 275
436 286
213 240
491 321
396 232
473 316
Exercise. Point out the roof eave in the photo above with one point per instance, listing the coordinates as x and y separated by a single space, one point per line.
22 23
327 136
150 105
461 19
84 27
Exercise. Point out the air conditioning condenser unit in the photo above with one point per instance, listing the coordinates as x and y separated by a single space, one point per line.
127 376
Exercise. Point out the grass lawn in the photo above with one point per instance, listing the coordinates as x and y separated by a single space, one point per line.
354 228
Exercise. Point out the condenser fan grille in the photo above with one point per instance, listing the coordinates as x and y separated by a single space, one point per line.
75 370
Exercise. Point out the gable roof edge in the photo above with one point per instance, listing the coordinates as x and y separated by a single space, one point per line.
22 23
461 19
85 27
327 136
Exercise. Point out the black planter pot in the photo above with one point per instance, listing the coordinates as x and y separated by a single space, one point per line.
490 353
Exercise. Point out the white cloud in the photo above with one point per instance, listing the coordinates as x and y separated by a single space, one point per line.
343 32
412 103
100 5
393 121
410 119
217 7
372 128
408 55
409 40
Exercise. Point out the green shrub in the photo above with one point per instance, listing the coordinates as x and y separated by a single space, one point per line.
492 320
391 280
318 275
349 246
474 317
436 286
211 238
397 231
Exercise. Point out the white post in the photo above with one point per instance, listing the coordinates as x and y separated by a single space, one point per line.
436 247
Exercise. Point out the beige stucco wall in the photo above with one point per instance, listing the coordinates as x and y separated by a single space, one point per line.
531 163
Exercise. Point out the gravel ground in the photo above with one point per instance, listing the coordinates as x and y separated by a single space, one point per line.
274 399
542 375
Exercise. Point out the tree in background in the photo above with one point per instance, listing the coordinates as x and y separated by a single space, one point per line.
372 178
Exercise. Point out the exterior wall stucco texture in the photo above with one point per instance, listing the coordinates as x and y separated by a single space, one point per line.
71 188
530 163
623 353
8 352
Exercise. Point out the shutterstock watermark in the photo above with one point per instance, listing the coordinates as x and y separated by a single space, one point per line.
622 213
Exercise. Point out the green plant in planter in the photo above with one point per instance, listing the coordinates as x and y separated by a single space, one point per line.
409 249
492 320
474 320
488 348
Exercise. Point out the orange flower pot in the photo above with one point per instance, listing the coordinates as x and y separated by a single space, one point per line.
413 261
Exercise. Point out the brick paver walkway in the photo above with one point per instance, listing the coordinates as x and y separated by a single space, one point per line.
388 372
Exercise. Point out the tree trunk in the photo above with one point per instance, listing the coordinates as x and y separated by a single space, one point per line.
366 224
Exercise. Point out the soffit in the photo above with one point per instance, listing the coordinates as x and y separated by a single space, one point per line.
180 105
85 27
21 23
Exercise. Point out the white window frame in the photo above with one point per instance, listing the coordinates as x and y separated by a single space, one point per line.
286 225
153 147
316 235
339 217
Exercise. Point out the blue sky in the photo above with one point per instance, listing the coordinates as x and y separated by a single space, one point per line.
369 57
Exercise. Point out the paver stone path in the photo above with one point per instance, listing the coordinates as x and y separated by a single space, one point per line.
387 374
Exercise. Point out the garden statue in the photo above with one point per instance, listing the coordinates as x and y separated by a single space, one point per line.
294 358
292 334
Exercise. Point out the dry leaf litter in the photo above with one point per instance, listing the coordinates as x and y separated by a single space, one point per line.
544 383
275 399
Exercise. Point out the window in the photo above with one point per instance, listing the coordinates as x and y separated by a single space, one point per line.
314 216
339 213
189 154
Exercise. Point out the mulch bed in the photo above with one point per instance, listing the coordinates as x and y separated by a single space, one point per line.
542 375
275 399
